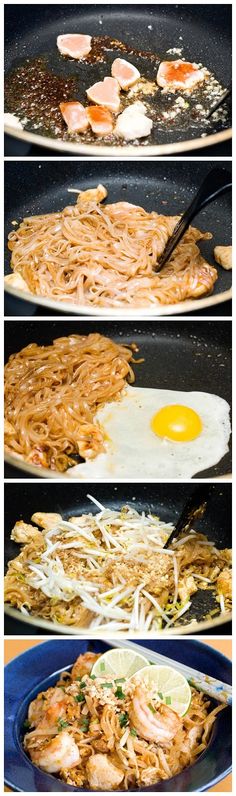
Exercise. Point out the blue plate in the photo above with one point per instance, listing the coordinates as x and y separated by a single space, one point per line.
39 667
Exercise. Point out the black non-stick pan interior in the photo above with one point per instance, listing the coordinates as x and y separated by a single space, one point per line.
165 500
203 32
168 188
177 355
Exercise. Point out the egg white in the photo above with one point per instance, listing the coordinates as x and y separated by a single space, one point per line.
133 451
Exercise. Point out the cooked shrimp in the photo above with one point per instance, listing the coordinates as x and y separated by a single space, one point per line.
105 92
48 706
75 116
84 664
177 75
126 74
160 726
77 45
102 773
60 752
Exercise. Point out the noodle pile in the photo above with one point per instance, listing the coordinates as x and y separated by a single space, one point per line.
106 256
110 571
98 721
53 392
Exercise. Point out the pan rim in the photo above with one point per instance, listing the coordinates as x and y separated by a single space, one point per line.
126 151
42 472
181 630
189 305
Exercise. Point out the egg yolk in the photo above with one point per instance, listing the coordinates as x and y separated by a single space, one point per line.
177 423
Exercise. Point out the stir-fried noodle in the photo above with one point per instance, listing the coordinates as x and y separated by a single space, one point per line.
106 734
111 571
106 256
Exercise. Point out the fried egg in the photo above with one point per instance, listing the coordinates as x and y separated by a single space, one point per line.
159 434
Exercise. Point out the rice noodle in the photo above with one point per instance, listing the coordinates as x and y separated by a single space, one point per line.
106 256
53 392
100 721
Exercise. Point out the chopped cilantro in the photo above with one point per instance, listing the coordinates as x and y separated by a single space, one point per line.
78 678
119 693
151 707
82 685
79 698
168 700
106 685
120 680
123 719
160 695
92 676
85 725
133 732
61 724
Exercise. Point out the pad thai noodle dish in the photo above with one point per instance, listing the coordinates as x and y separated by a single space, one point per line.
101 731
72 407
111 571
107 256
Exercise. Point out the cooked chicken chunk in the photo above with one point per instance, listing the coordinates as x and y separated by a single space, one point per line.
24 532
224 583
46 520
16 280
102 774
92 195
223 256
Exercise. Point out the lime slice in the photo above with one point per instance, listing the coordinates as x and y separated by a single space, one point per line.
170 686
119 663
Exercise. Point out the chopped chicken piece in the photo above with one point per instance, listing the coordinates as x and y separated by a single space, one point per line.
187 586
75 116
102 773
223 256
224 583
100 119
106 93
16 280
133 122
126 74
77 45
9 429
46 520
24 532
179 74
91 195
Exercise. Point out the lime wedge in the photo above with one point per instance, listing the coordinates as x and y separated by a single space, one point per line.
119 663
168 685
